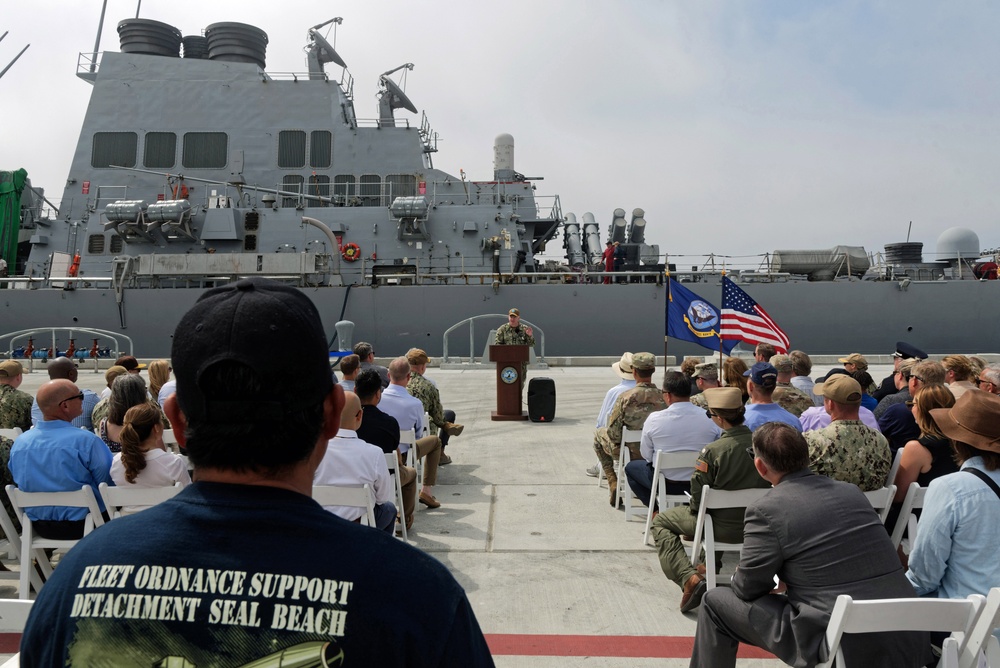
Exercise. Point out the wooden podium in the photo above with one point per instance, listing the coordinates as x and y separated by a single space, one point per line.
510 382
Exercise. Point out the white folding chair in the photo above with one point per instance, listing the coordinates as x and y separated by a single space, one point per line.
33 545
980 642
881 500
354 497
14 548
704 531
392 461
116 498
426 424
14 614
624 456
409 436
663 461
907 520
891 478
170 441
12 434
900 614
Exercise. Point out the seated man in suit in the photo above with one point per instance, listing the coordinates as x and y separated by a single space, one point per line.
818 554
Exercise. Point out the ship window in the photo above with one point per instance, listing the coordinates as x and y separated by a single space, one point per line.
250 243
114 148
343 190
160 150
291 149
95 244
319 185
116 244
400 185
320 148
370 190
291 183
205 150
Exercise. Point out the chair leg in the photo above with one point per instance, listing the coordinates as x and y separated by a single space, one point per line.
649 512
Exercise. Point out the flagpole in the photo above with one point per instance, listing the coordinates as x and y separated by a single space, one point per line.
720 323
666 271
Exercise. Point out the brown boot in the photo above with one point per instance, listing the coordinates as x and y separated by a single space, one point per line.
694 589
453 429
613 488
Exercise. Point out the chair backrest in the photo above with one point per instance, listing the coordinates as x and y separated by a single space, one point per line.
81 498
116 498
13 614
426 424
631 435
891 478
11 433
898 614
392 462
684 459
980 637
716 499
170 440
913 500
353 497
14 539
408 436
881 500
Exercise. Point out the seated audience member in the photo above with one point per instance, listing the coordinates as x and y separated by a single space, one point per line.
680 427
817 417
56 456
351 462
734 375
256 428
159 375
366 354
723 464
902 380
350 367
954 554
904 351
131 364
426 391
817 554
763 381
989 379
847 449
855 362
897 423
865 381
64 368
144 461
381 429
764 352
786 395
104 405
127 391
109 378
706 376
623 369
687 368
409 413
801 368
15 405
630 411
958 374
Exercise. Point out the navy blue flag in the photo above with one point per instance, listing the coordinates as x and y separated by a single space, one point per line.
691 318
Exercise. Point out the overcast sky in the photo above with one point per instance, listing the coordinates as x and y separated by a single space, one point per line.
740 127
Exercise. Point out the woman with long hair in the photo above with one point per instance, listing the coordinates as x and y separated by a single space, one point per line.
159 374
928 456
127 391
732 373
143 460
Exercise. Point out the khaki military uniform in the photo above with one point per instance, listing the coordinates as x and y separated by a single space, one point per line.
722 464
629 412
15 408
850 451
792 399
516 336
423 389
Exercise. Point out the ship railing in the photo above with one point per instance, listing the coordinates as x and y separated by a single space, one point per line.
62 282
346 83
376 123
519 278
87 66
118 338
470 323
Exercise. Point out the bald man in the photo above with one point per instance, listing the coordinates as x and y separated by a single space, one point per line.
65 368
351 462
55 456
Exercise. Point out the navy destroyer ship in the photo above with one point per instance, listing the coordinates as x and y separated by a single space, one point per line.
196 166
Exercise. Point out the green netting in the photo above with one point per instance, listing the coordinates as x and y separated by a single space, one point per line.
11 187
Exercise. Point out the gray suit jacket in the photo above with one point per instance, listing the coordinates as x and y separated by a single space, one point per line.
822 538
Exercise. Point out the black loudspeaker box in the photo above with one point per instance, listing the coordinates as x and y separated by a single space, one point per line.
541 399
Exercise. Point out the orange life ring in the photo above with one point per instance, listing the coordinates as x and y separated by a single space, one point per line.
75 266
350 252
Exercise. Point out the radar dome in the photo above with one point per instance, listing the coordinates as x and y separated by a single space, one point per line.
957 242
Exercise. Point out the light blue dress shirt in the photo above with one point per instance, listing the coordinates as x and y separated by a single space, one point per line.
82 420
407 410
758 414
609 401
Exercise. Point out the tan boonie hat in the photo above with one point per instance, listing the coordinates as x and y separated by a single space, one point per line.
724 398
706 370
113 372
623 367
781 363
10 369
417 356
857 359
840 388
974 420
514 311
644 361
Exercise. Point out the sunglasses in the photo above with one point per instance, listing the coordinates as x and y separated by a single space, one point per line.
916 378
710 414
73 398
750 452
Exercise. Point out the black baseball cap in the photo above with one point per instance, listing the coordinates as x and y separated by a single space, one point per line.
250 322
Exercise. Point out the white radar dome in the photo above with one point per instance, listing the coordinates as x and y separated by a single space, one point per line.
957 242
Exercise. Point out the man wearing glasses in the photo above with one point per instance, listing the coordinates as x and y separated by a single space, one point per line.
55 456
904 351
989 379
897 423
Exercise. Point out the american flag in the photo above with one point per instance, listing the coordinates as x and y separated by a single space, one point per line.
743 319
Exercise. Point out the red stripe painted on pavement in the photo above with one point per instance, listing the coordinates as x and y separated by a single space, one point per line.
655 647
9 642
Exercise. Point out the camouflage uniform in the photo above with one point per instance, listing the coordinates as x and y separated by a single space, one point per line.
100 411
6 478
15 408
630 411
792 399
516 336
850 451
423 389
722 464
699 400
